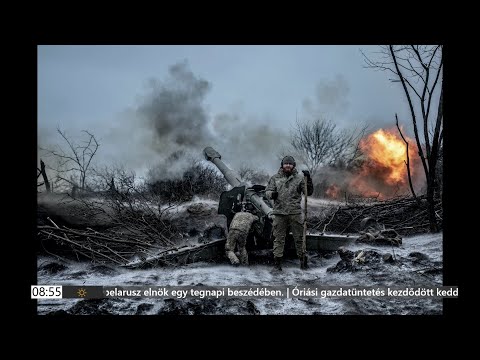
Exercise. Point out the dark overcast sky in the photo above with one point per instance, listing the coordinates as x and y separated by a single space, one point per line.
95 87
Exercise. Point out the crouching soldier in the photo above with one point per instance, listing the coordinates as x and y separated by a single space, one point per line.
240 227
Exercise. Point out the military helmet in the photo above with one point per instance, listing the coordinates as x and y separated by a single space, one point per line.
289 160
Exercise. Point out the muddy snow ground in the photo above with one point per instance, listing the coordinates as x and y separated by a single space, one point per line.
418 263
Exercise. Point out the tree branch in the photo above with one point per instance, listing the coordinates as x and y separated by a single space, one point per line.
412 111
407 163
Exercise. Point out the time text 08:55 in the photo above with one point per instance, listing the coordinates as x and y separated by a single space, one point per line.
46 292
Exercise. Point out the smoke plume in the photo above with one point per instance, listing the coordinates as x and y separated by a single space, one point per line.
174 110
169 128
331 99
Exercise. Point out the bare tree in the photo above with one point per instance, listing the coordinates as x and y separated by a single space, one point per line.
253 175
74 161
42 172
197 178
115 178
321 143
419 70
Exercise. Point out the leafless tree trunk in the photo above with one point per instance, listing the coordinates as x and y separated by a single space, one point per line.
112 188
407 162
321 143
419 69
112 179
44 175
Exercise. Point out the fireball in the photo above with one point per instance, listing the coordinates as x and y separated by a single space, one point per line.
384 172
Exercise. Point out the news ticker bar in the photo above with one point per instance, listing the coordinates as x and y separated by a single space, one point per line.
201 292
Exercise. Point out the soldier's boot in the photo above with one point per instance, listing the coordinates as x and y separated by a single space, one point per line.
277 267
304 262
233 258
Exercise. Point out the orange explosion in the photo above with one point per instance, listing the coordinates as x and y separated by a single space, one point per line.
333 191
384 172
388 151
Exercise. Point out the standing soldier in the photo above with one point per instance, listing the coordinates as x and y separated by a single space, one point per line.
240 227
286 188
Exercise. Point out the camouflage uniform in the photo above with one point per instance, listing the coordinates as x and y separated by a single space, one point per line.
287 209
237 234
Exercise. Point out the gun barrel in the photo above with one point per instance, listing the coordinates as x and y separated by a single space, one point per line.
231 176
259 203
234 179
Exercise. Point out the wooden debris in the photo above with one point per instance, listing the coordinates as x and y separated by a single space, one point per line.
404 215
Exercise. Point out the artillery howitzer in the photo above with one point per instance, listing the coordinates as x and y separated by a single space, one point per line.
244 198
253 199
241 197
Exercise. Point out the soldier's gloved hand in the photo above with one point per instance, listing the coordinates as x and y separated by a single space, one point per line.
274 195
306 173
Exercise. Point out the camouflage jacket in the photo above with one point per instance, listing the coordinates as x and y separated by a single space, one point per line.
290 189
243 221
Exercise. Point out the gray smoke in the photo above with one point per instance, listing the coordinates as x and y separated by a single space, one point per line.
248 142
174 121
169 129
157 136
174 109
331 99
